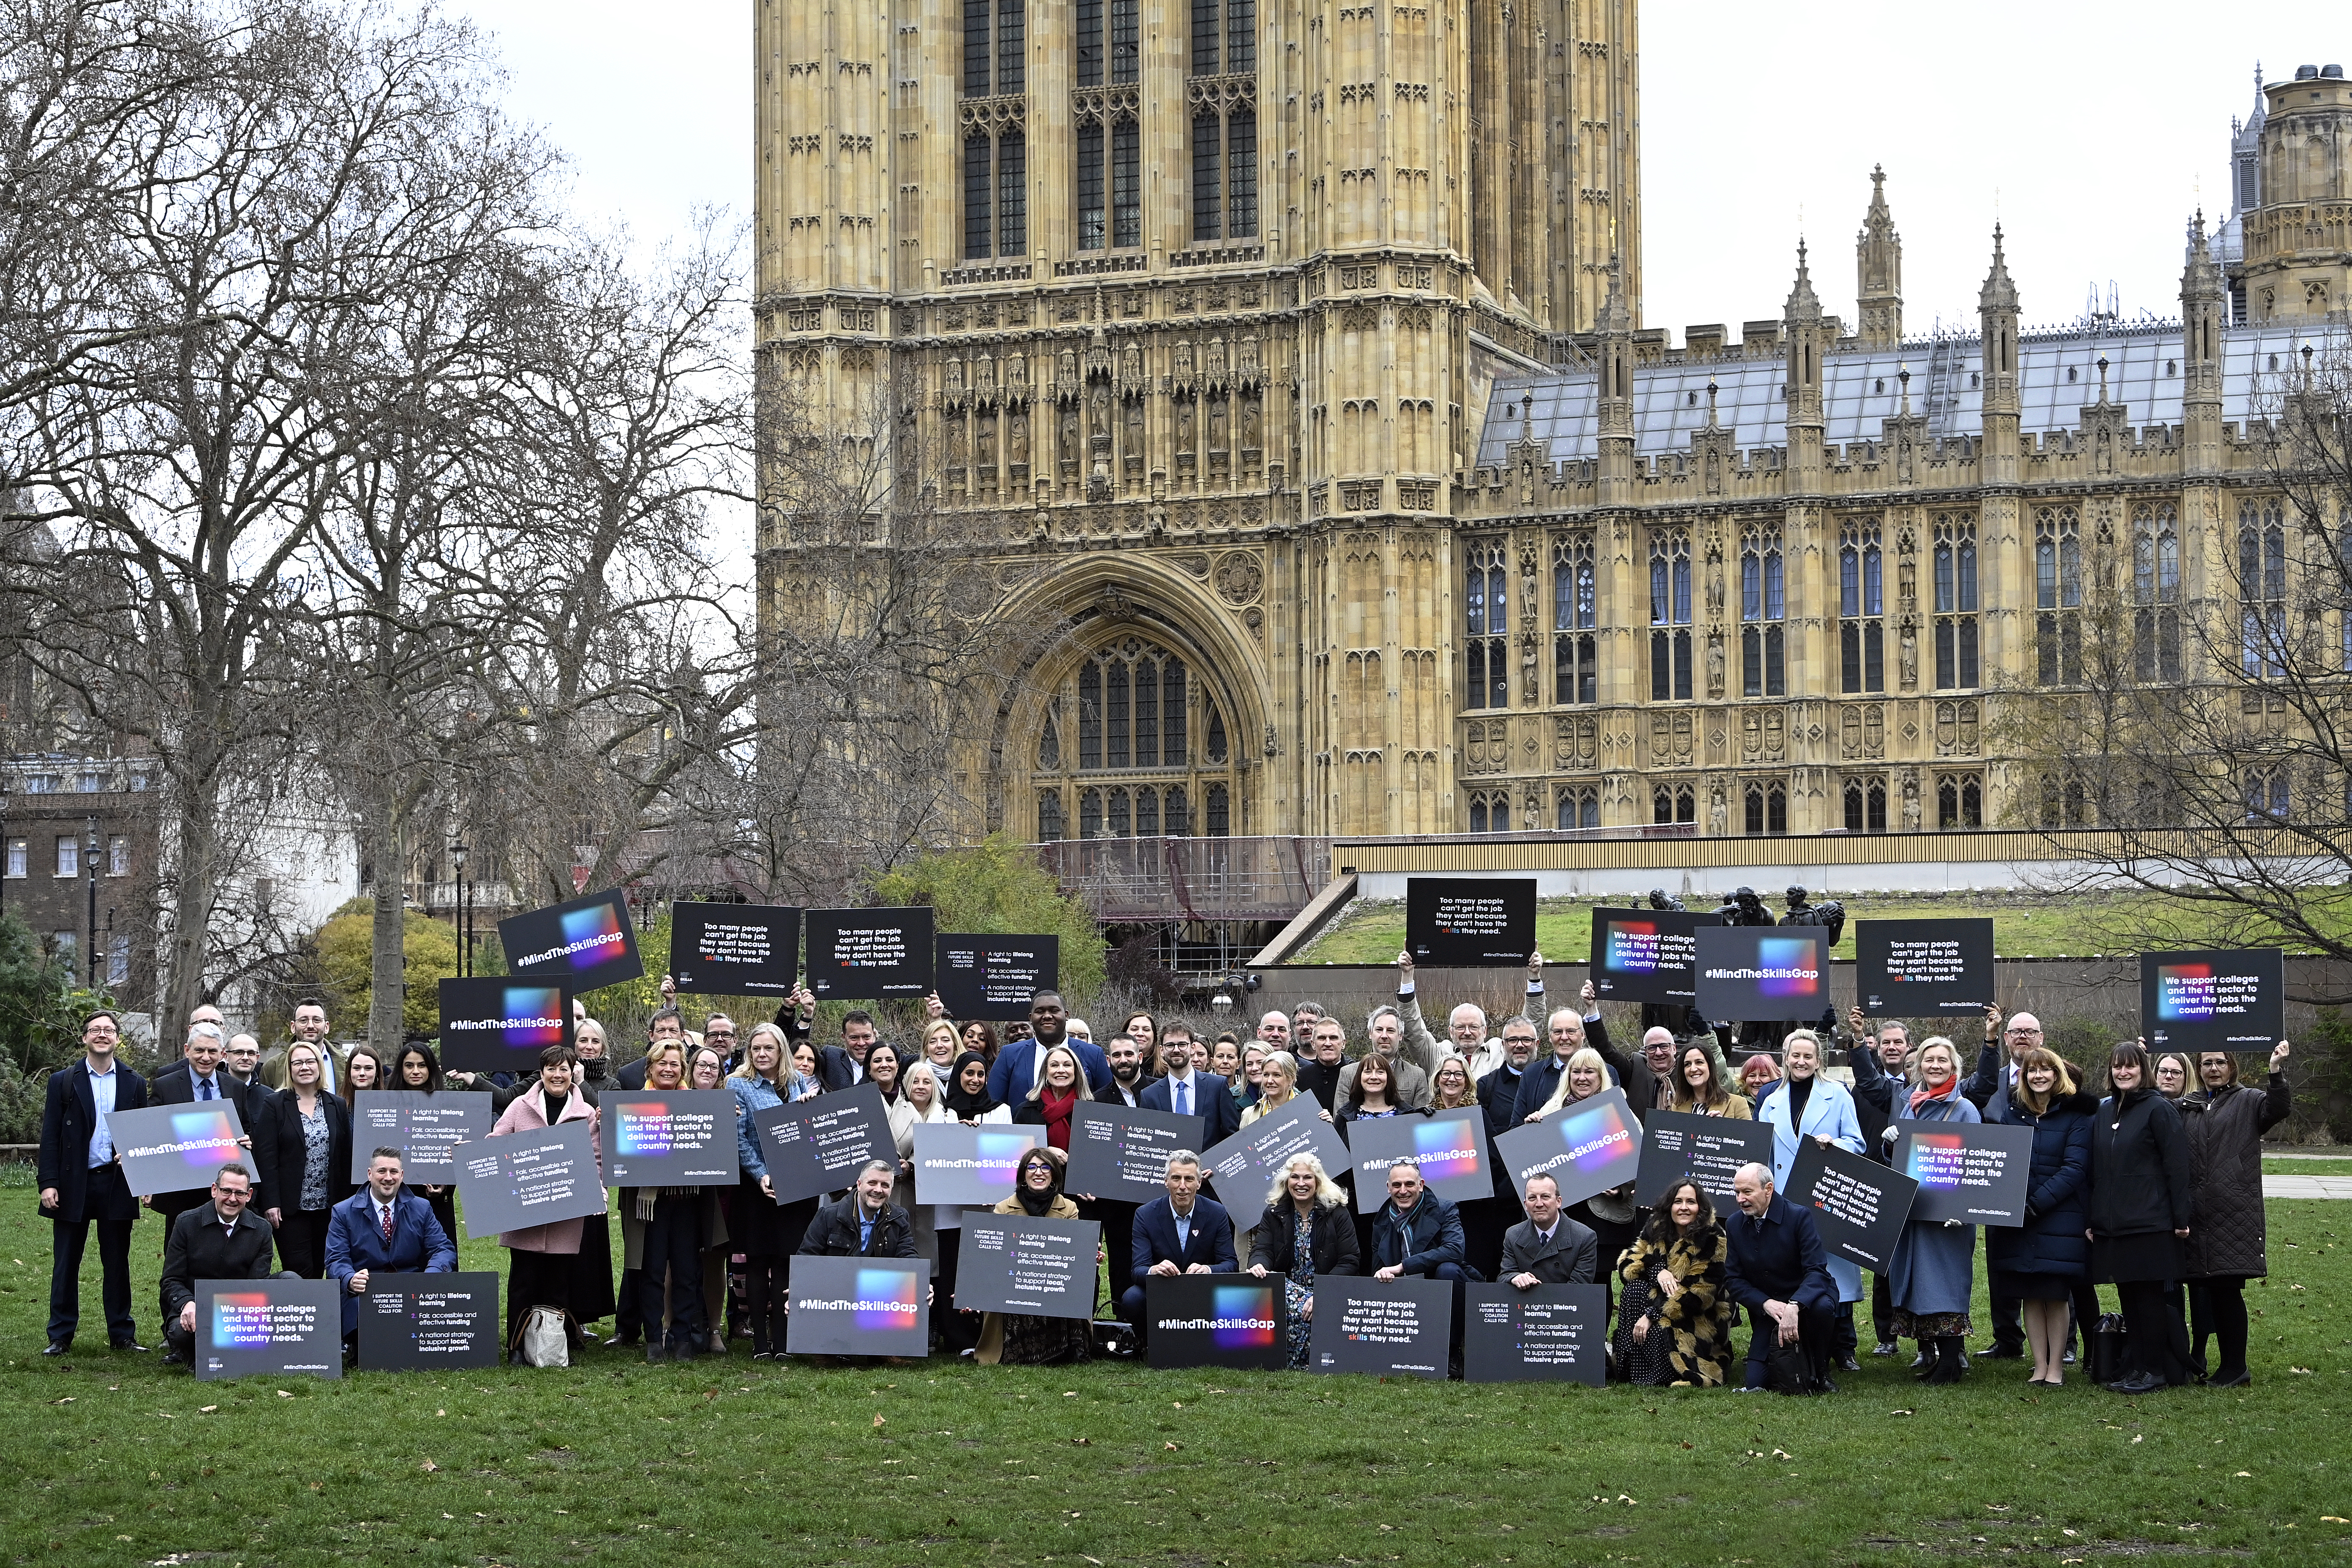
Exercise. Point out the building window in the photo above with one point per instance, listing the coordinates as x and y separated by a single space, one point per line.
1580 807
1125 185
1137 708
1117 47
66 946
2058 594
1762 603
40 784
2261 588
1049 816
117 855
118 961
90 783
1486 647
17 854
1956 663
1224 124
68 861
1219 823
1576 607
1766 809
2065 802
1090 187
2266 795
1866 805
1959 801
2155 593
1670 617
1230 25
1668 805
1862 603
1490 811
996 162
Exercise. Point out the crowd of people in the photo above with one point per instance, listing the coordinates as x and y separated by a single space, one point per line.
2146 1177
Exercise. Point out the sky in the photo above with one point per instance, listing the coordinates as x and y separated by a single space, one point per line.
2092 131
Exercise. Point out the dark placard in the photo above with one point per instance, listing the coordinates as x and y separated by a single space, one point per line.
969 1166
1243 1166
1709 1150
2221 1001
1646 955
1470 921
1918 969
275 1327
859 1306
868 955
500 1024
1553 1333
1978 1172
581 944
422 1322
1396 1328
1769 972
1859 1205
425 1128
682 1139
1588 1147
176 1148
984 976
524 1179
1039 1268
815 1146
1214 1319
1449 1145
735 950
1121 1151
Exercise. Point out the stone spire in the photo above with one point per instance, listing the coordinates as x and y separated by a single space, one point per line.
1878 269
1803 333
1996 323
2203 312
1999 292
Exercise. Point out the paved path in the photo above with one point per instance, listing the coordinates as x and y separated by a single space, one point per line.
2306 1186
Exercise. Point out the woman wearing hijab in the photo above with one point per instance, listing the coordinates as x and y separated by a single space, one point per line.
967 1098
1061 1084
542 1260
1306 1233
2141 1205
2225 1121
1933 1270
1019 1340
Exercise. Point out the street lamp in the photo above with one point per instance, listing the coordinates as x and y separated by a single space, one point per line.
89 880
465 929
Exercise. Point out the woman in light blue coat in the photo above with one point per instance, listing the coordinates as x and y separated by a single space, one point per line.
767 1234
1934 1266
1807 1105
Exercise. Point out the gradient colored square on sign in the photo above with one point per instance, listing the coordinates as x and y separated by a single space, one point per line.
1005 1149
1445 1148
207 1138
1596 1135
590 934
534 1015
1934 1159
240 1320
642 1127
1244 1317
1633 947
1791 957
888 1298
2184 990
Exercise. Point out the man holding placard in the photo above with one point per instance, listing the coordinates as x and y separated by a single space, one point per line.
222 1239
1182 1233
384 1229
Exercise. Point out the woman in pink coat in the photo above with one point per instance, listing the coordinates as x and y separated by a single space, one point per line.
543 1262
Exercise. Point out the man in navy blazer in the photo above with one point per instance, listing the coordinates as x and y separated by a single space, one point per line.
1778 1270
1015 1072
1188 1092
383 1228
1182 1233
80 1181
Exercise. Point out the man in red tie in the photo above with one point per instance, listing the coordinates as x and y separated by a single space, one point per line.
382 1227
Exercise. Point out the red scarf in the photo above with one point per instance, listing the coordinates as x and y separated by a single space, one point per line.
1057 1109
1926 1092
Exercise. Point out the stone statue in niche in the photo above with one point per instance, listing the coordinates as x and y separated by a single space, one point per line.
956 449
1135 428
1718 814
1100 428
987 445
1016 371
1714 594
1217 423
955 375
1068 364
1906 579
1251 435
1715 664
1184 424
1910 655
1020 435
1910 802
1184 358
1069 431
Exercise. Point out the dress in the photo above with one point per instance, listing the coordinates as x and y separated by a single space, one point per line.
1013 1339
1933 1270
1298 1288
1696 1346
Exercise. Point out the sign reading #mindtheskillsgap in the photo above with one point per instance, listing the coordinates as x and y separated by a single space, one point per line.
582 943
500 1025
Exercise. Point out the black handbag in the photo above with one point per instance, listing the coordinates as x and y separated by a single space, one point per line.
1787 1370
2106 1352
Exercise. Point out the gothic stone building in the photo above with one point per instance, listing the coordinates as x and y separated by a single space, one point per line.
1290 354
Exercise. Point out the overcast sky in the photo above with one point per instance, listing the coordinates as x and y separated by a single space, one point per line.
2093 129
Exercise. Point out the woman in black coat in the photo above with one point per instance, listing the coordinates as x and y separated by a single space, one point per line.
2225 1121
1305 1234
2140 1214
2046 1262
303 1134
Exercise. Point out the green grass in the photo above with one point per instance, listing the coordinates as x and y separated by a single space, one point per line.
2023 925
114 1461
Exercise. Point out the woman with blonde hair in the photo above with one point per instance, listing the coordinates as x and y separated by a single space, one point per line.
1306 1233
1612 1216
768 1232
1451 1087
2045 1263
941 1043
1277 1085
1933 1271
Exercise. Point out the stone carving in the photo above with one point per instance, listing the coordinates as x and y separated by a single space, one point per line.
1240 579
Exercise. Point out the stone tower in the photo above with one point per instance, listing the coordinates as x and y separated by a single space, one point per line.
2297 255
1878 271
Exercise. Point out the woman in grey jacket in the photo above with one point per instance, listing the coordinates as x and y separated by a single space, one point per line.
1933 1270
2226 1121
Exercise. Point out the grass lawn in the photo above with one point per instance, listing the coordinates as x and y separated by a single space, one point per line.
2023 925
114 1461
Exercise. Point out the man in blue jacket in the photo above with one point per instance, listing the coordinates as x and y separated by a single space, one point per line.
1015 1070
383 1228
1417 1232
1182 1233
1778 1270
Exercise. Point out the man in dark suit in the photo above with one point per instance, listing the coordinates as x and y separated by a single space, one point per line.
1548 1247
223 1239
1182 1233
1187 1091
1015 1068
81 1183
200 1079
383 1228
1325 1050
1778 1270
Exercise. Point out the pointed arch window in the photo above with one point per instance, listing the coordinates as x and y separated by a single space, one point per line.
1762 603
2261 588
2155 593
1486 623
1861 608
1137 708
1957 664
1670 616
1576 612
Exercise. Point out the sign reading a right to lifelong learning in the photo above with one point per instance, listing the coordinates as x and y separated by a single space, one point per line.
2219 1001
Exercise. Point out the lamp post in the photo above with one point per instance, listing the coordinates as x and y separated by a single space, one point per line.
5 778
89 881
465 930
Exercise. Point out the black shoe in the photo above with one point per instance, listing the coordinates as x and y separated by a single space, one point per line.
1824 1385
59 1347
655 1353
1847 1363
174 1358
133 1346
2141 1383
1886 1347
1949 1368
2001 1352
685 1350
2242 1378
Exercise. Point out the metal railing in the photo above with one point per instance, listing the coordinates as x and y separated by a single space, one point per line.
1138 880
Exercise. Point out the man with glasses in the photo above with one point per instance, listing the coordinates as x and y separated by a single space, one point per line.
81 1182
1988 1089
719 1034
219 1240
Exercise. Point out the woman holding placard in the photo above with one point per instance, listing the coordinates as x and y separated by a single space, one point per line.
2225 1121
417 1069
1613 1216
1805 1105
1933 1270
1061 1084
1699 1092
2142 1202
706 1070
661 1237
1306 1233
967 1099
1277 1086
308 1136
543 1261
768 1233
2045 1263
1019 1340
